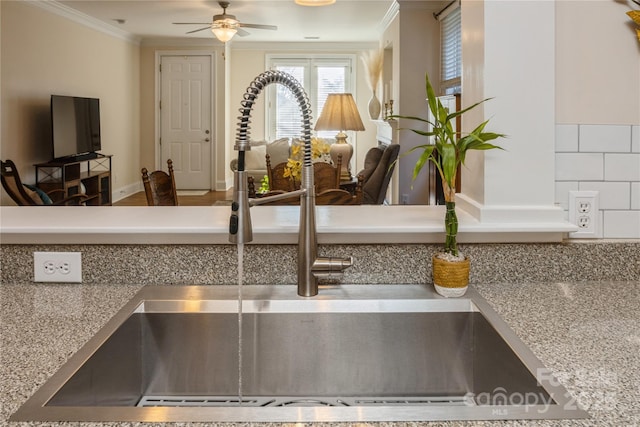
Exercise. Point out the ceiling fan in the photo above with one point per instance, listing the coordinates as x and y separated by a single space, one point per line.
225 26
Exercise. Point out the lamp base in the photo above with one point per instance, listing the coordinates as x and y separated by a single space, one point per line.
341 146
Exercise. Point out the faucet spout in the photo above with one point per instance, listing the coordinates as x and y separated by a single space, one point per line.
310 266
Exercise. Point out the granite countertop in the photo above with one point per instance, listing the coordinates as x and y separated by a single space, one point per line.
588 334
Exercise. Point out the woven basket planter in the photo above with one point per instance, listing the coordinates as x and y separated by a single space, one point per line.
450 278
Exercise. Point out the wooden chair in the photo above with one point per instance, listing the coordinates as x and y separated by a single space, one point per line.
331 196
326 176
277 180
160 187
30 195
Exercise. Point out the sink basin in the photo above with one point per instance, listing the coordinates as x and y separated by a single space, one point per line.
354 353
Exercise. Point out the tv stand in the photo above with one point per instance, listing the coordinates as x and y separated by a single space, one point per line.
89 174
84 157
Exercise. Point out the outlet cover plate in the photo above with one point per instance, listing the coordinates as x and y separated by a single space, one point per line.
584 211
57 267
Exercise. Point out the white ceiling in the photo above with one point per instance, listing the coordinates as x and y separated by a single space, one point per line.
344 21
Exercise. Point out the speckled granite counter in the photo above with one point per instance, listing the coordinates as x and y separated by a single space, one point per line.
587 333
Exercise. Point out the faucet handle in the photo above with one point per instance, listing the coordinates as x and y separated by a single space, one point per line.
330 267
240 221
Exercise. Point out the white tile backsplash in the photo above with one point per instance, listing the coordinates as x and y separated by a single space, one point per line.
635 195
579 166
613 195
621 225
604 138
562 192
603 158
621 167
566 138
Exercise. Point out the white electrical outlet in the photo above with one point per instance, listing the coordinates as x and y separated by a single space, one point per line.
61 267
584 212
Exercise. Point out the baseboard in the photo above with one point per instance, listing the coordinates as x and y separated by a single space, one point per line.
126 191
509 214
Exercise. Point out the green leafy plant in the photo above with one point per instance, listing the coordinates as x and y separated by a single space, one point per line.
447 153
264 185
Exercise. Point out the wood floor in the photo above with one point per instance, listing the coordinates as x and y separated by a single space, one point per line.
139 199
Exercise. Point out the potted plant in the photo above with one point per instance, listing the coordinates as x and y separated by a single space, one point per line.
447 152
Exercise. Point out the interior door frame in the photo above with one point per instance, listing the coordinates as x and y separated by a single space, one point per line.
157 86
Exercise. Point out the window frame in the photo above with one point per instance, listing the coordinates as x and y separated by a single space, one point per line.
310 62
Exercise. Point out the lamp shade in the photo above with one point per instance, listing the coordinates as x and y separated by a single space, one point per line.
339 113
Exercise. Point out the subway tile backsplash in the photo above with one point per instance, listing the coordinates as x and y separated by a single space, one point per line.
579 166
603 158
591 138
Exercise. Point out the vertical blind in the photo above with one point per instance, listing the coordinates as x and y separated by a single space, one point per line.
451 52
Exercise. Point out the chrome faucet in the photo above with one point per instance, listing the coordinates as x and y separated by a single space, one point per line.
311 267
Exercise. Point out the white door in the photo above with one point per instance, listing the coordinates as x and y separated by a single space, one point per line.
185 119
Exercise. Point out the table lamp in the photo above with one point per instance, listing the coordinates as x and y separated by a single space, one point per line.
340 113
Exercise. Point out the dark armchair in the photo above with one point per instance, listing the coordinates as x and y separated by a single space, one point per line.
379 164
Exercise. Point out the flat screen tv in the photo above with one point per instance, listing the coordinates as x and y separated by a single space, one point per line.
75 125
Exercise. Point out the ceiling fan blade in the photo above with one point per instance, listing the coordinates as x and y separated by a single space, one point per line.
241 32
261 27
191 23
199 29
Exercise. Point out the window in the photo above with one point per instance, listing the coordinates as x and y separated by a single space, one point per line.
451 51
319 76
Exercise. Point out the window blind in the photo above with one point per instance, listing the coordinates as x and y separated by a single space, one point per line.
451 52
288 117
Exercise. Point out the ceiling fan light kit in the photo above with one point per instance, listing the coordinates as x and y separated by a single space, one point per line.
314 2
223 33
224 26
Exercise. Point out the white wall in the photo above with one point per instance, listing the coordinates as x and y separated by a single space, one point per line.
503 60
43 54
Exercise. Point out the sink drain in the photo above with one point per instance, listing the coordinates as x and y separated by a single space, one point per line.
295 401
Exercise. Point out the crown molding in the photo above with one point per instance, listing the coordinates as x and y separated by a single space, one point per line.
60 9
391 14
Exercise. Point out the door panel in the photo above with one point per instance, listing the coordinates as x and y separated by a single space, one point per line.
186 119
195 157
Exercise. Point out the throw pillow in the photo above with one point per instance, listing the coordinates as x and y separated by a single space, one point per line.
278 151
38 196
254 158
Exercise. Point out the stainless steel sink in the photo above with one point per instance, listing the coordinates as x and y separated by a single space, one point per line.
354 353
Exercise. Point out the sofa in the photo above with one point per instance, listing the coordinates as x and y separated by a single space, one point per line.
279 151
255 160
